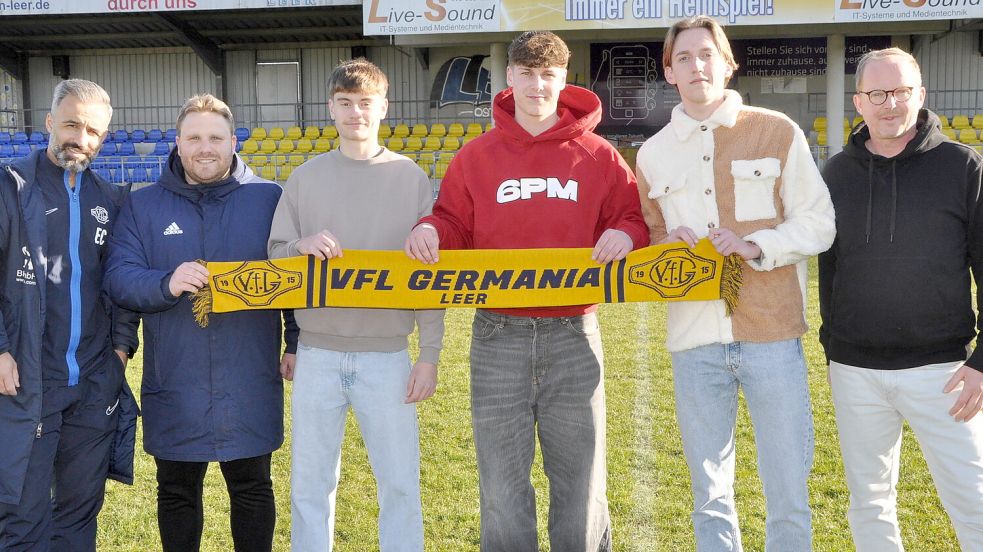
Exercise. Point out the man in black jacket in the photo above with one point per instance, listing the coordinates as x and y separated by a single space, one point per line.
896 303
63 346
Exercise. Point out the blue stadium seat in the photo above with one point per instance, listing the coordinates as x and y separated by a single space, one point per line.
105 173
22 150
108 148
120 136
6 150
37 137
127 148
4 137
170 134
154 174
155 135
19 138
161 148
140 175
242 134
138 135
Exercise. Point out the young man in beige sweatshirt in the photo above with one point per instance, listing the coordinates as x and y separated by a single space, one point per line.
366 197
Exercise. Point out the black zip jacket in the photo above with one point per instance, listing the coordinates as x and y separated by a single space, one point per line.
895 290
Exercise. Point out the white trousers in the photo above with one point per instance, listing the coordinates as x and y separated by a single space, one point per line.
871 406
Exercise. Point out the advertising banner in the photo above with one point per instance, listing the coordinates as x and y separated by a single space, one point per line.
394 17
628 77
58 7
872 11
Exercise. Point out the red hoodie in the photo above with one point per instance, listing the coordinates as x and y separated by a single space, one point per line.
508 189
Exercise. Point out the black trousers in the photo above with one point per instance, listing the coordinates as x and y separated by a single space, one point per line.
180 513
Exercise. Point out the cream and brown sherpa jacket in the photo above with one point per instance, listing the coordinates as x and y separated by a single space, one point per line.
749 170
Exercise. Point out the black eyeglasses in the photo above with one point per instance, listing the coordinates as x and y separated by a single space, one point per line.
877 97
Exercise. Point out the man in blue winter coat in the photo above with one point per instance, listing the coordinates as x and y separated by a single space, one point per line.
63 346
213 393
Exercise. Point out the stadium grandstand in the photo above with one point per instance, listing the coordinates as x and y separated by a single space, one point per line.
269 59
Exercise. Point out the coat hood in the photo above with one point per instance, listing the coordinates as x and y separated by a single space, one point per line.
927 137
579 110
172 178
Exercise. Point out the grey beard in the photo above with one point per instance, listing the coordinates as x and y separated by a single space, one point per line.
72 165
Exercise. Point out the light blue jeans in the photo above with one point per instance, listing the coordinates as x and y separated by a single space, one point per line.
774 379
326 384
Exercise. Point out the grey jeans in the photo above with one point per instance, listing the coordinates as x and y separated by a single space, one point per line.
545 376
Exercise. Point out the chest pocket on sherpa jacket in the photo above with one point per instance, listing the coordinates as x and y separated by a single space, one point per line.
754 188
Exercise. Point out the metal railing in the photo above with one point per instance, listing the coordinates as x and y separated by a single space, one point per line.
303 114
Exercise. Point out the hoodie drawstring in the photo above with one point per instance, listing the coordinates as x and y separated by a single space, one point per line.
894 196
870 193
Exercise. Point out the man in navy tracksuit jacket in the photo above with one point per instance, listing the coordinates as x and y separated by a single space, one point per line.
62 392
214 393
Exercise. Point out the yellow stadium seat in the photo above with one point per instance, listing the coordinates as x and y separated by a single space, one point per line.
441 169
256 169
426 167
395 144
489 126
413 143
278 159
821 138
819 123
467 138
276 133
432 143
268 172
960 122
285 146
944 120
329 132
456 130
285 172
296 160
950 133
856 121
259 133
408 155
249 146
978 122
258 161
294 133
446 157
385 131
401 131
474 129
419 129
427 157
968 136
438 130
304 145
267 146
451 143
312 132
322 145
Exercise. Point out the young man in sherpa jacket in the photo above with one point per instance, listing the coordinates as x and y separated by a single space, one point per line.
744 178
896 301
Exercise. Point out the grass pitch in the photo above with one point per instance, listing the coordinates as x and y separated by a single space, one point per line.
648 482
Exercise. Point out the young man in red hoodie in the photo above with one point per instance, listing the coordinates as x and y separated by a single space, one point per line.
541 178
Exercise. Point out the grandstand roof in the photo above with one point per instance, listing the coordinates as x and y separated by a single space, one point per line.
206 31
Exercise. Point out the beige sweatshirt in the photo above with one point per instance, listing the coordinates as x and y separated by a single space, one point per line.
366 204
